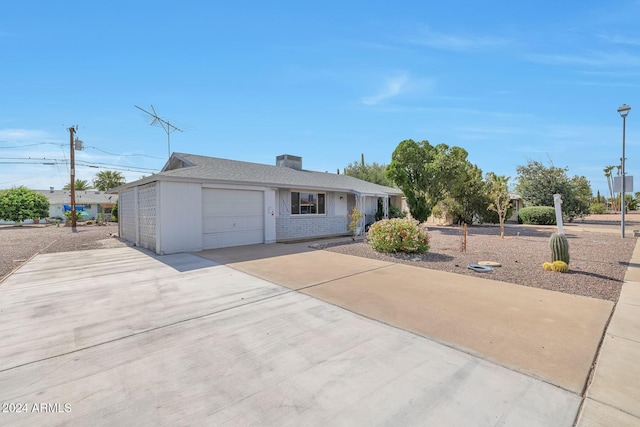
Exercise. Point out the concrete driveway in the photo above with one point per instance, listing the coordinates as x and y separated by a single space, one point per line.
119 336
550 335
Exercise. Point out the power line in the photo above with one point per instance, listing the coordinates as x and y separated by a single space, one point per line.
33 145
87 146
123 155
97 165
28 163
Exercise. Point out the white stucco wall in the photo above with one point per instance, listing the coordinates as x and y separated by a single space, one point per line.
340 207
127 215
180 217
270 213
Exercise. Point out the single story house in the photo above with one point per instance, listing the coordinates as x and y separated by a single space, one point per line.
197 203
93 202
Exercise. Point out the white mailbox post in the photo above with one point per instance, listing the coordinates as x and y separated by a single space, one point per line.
557 202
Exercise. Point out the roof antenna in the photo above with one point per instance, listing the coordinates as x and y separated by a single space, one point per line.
164 124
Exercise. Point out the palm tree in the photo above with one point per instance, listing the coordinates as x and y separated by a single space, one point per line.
80 185
106 180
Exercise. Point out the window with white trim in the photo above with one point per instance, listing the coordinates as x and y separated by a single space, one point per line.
307 203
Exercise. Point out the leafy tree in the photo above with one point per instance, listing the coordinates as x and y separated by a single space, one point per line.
466 198
580 198
106 180
498 191
468 192
80 184
20 203
371 172
537 184
407 171
114 212
425 173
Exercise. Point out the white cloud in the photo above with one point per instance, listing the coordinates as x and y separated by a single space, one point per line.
593 59
443 41
13 135
619 39
607 84
391 88
399 85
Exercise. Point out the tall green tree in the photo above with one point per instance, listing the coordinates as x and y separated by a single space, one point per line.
20 203
80 184
425 174
466 198
407 171
106 180
538 183
371 172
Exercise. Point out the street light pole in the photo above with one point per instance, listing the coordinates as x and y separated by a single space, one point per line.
624 111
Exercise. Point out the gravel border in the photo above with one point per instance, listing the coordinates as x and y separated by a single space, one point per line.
599 260
19 244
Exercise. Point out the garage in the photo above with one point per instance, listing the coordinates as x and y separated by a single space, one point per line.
232 218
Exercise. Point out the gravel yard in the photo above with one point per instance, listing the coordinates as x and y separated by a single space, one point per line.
18 244
598 263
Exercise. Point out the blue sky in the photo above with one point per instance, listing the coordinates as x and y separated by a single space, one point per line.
323 80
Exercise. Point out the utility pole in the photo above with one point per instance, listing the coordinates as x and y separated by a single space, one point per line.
72 159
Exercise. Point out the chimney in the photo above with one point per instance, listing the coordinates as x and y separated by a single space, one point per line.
50 189
289 161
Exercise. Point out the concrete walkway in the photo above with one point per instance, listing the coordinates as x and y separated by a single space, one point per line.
121 337
613 397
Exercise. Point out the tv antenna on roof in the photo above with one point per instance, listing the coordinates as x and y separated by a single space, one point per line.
164 124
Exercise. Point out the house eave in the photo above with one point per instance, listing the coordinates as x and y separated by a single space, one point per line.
160 177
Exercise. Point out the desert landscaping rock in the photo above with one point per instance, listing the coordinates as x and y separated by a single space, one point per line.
480 268
599 260
489 263
19 244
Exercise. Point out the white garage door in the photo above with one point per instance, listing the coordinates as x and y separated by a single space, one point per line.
232 218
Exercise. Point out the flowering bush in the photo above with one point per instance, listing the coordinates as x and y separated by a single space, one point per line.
398 235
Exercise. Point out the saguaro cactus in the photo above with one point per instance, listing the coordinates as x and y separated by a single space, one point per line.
559 247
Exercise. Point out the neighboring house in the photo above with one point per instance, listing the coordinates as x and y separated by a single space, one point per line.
93 202
198 203
516 204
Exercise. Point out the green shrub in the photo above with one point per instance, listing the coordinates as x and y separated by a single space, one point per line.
394 212
354 219
114 212
597 209
538 215
398 235
20 203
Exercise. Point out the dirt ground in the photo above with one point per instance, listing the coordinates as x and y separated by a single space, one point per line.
18 244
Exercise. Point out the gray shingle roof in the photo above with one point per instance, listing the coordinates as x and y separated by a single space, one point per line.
88 197
223 170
